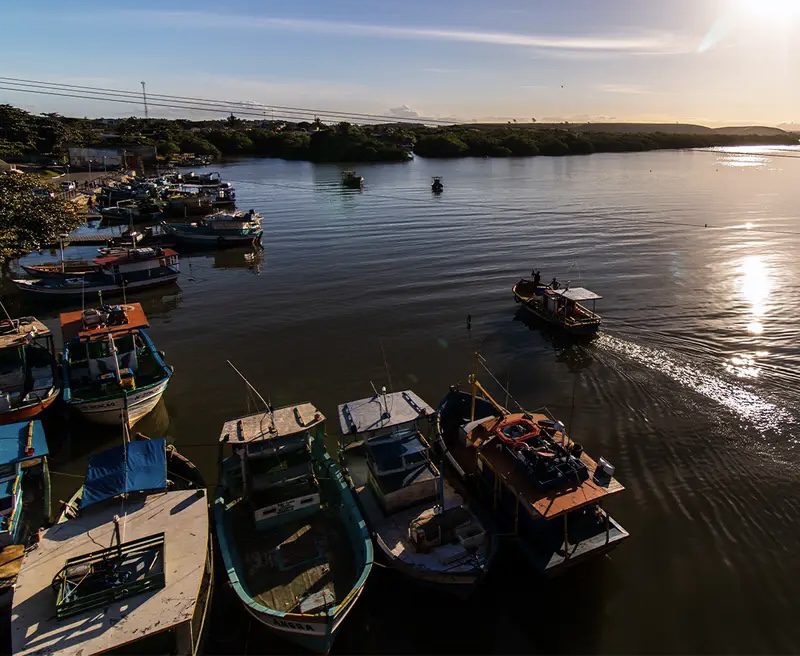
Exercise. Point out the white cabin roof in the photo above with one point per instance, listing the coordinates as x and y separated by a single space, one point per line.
577 294
284 421
183 518
370 414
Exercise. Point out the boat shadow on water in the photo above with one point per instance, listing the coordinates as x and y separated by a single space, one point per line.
576 354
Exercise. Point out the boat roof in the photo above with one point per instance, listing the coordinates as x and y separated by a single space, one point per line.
26 326
370 414
576 294
138 466
183 518
14 442
133 254
289 420
72 324
551 503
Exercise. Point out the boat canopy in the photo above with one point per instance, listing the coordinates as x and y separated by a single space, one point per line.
576 294
74 326
20 331
15 440
382 411
135 467
133 255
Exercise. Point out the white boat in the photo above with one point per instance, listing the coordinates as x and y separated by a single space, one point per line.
110 365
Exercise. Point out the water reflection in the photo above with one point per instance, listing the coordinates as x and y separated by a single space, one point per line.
755 286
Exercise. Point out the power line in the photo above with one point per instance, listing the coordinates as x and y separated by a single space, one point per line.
105 91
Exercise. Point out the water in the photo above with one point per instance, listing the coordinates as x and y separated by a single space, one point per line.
691 391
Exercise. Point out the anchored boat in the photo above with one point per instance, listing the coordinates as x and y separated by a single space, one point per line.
127 567
220 229
120 271
295 547
133 211
111 366
539 483
437 186
422 526
351 180
563 307
27 369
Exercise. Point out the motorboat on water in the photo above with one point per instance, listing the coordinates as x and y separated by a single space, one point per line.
422 526
133 211
352 180
293 542
545 491
127 567
218 230
111 368
563 307
437 186
28 384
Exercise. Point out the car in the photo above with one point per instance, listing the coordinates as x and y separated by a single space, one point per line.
68 185
43 192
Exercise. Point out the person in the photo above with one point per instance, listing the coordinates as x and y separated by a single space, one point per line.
537 277
554 283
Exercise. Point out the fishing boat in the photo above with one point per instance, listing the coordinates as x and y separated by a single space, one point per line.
110 366
437 187
562 307
132 211
128 567
421 525
293 541
219 229
351 180
541 486
120 271
28 383
24 482
64 269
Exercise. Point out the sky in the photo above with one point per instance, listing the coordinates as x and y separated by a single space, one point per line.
713 62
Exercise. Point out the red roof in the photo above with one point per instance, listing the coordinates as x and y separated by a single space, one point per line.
72 324
128 256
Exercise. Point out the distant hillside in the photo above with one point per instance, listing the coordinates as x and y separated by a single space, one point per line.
643 128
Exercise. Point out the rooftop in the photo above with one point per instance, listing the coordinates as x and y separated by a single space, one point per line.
14 441
26 326
286 421
576 294
134 254
72 326
183 518
377 412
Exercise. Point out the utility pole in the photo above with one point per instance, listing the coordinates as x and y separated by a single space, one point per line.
144 97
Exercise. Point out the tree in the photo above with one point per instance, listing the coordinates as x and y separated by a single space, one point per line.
29 222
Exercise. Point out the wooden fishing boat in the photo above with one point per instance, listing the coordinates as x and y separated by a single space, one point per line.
561 307
120 271
65 269
540 485
218 230
24 482
351 180
28 384
132 211
421 525
293 541
111 367
129 565
437 187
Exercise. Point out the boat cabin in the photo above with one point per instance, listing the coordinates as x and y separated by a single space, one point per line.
569 302
26 363
23 449
135 263
131 571
275 471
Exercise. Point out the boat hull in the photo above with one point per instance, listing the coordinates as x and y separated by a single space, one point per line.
109 411
107 289
29 411
215 241
45 271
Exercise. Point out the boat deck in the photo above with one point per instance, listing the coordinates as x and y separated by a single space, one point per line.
26 326
547 504
303 566
183 518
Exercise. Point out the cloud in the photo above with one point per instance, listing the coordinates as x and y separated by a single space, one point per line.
404 111
655 43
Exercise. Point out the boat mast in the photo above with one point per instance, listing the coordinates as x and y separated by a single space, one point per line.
257 393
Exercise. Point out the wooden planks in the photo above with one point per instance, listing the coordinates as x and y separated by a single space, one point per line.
287 421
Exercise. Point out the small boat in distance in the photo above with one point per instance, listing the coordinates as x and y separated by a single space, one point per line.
351 180
111 368
128 567
120 271
293 541
562 307
218 230
437 187
28 368
422 526
544 489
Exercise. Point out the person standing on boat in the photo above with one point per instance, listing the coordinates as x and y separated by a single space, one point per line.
554 283
537 277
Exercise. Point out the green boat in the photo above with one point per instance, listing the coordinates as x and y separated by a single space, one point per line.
294 544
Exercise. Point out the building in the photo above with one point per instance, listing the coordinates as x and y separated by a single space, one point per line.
128 157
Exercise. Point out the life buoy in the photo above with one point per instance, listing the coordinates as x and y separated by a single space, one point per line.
516 432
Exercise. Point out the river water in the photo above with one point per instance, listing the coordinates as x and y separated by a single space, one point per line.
691 391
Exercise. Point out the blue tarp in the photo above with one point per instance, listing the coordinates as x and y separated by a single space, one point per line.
14 438
110 473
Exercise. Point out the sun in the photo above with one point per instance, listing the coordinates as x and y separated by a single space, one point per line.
773 11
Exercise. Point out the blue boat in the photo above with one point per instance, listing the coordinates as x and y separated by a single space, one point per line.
217 230
24 481
294 544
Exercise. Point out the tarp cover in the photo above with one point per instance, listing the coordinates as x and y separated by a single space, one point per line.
14 439
110 473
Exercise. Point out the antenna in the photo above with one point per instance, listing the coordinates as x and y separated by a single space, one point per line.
256 392
144 98
386 366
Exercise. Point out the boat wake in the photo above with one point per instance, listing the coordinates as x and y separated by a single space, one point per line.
746 404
